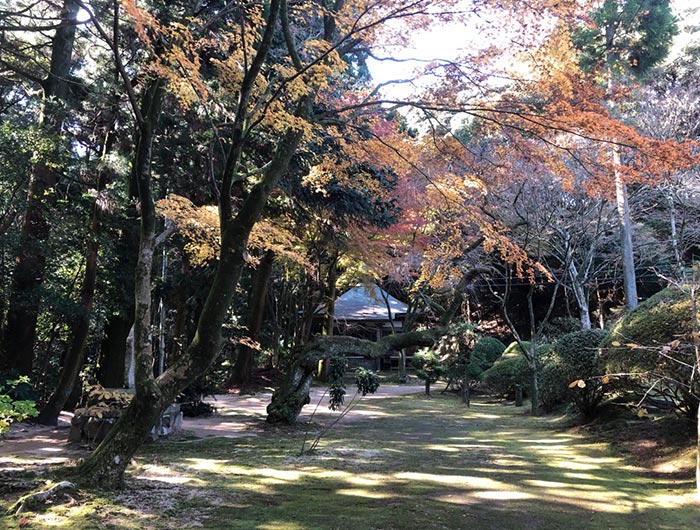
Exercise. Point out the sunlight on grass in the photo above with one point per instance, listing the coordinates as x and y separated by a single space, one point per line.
445 448
503 495
165 474
455 480
490 467
359 492
549 484
207 464
281 525
376 480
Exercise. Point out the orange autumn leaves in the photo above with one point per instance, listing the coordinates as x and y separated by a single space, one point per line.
550 119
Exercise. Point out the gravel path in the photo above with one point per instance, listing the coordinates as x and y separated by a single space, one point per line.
29 444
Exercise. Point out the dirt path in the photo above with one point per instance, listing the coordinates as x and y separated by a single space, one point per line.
236 416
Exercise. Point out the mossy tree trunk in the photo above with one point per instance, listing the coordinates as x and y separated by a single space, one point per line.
107 464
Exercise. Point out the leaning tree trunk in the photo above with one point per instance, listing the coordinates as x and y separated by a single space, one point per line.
581 294
107 464
20 332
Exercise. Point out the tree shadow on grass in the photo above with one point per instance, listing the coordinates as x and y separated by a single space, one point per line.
425 463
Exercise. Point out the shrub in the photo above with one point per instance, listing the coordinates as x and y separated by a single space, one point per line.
636 345
429 367
574 356
486 351
17 400
508 372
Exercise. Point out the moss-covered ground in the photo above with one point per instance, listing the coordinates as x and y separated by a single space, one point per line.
415 462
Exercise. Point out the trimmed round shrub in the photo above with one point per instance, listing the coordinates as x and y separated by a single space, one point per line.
486 351
653 344
575 356
508 372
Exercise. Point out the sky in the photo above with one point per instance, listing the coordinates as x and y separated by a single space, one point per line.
446 42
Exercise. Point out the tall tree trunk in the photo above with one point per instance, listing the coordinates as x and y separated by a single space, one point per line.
623 214
80 326
243 367
107 465
20 332
331 293
113 351
136 422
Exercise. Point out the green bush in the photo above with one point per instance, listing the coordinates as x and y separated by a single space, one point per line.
508 372
660 325
486 351
574 356
429 367
17 401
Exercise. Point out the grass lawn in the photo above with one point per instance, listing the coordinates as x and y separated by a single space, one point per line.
414 463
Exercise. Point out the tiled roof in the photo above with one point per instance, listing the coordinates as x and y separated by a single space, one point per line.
368 302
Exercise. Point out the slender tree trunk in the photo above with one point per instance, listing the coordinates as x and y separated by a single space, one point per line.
581 297
107 464
674 231
75 356
623 214
331 294
243 367
20 332
113 351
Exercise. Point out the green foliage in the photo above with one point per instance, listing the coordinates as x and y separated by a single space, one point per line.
336 381
486 351
429 365
16 401
653 344
366 380
642 35
574 357
507 373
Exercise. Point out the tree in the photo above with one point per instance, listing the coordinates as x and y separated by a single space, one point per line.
266 95
28 274
627 38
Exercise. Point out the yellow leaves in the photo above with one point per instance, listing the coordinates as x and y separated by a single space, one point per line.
199 227
642 412
274 235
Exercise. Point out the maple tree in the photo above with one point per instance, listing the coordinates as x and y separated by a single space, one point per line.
233 114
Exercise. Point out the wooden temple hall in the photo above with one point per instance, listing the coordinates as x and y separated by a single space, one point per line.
366 311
